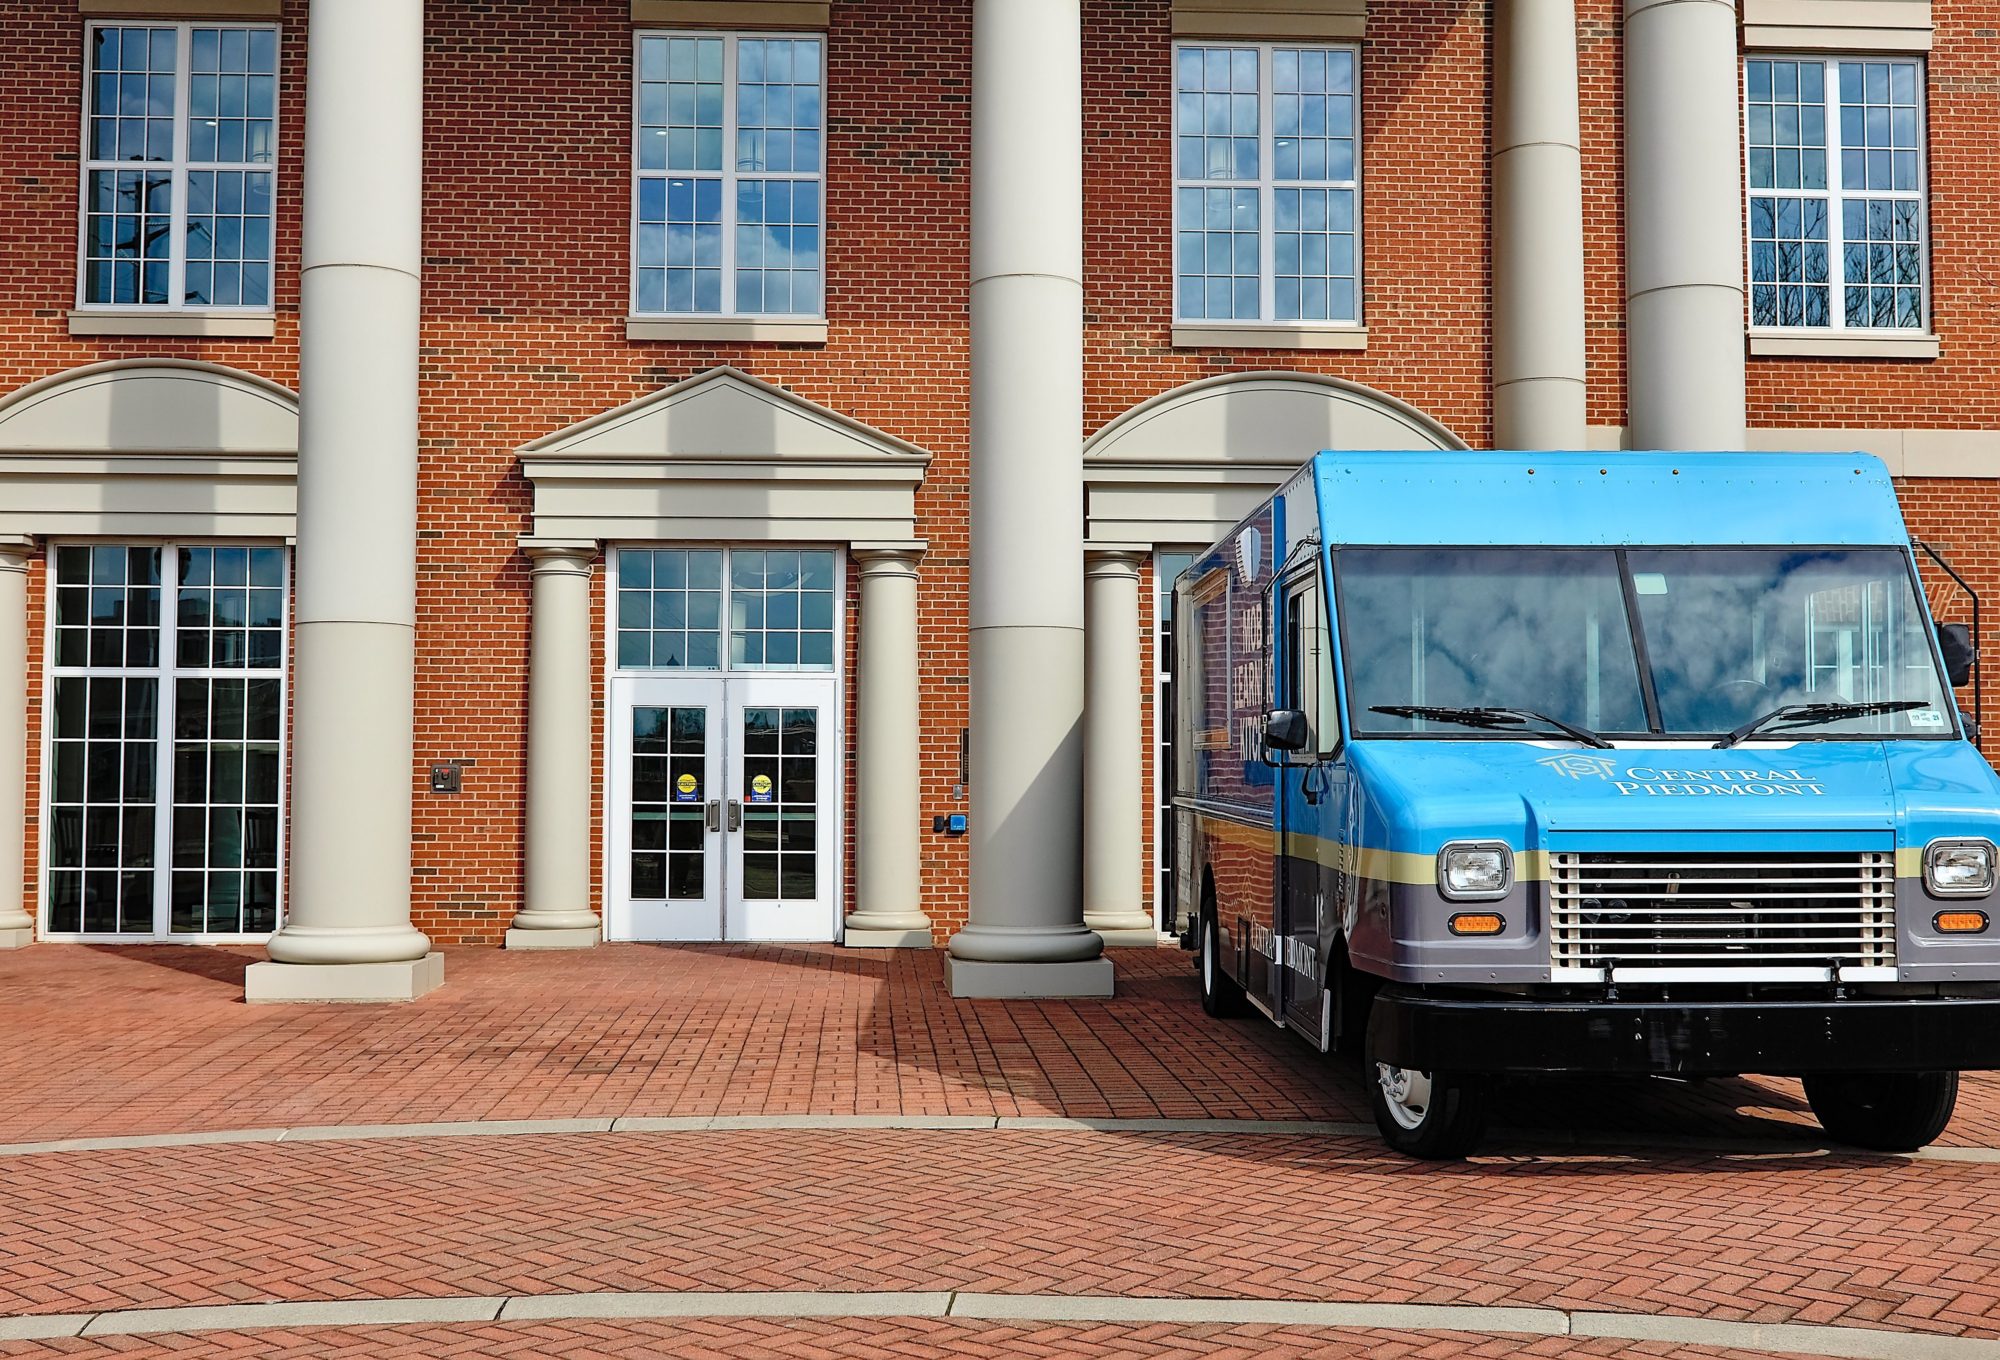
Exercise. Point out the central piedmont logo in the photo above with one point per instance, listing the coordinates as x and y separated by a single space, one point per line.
1580 766
1646 781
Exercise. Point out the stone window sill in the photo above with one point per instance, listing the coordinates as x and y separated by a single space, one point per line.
1766 345
1278 336
737 329
225 325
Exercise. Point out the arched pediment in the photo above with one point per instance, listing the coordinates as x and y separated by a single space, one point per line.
1269 417
1184 466
136 406
724 455
150 448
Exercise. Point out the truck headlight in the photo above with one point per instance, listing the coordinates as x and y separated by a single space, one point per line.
1959 868
1475 871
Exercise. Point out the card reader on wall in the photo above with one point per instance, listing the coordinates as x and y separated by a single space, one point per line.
949 824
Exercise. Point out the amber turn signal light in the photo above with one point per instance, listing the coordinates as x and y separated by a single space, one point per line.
1488 923
1959 922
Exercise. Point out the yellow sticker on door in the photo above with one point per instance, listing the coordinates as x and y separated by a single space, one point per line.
760 789
687 789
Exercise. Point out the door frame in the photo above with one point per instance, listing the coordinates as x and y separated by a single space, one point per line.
834 740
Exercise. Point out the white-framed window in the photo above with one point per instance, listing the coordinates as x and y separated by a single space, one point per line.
711 609
163 785
728 211
180 155
1267 183
1834 155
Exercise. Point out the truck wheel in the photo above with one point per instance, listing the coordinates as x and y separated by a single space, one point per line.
1883 1111
1220 994
1437 1116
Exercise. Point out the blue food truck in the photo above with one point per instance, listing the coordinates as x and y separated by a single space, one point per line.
1506 763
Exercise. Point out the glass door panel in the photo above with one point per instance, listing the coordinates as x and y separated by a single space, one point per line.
782 869
666 881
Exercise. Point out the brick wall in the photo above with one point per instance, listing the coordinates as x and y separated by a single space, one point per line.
526 229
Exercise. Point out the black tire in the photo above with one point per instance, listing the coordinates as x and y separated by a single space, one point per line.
1446 1126
1221 995
1883 1111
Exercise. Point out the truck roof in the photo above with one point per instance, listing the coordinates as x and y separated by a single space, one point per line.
1471 498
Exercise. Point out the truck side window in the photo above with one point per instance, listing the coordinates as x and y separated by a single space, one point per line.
1309 662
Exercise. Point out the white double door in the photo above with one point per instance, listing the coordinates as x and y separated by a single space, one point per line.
724 808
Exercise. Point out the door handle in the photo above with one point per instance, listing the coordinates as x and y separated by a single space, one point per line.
714 814
735 814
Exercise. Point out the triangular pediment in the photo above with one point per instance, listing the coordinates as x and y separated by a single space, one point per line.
150 406
723 415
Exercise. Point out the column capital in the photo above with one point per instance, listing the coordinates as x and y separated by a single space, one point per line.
15 550
888 559
560 556
1103 560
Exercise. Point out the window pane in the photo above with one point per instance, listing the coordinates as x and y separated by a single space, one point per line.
770 218
669 614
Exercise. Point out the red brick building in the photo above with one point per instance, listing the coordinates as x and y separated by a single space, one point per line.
652 380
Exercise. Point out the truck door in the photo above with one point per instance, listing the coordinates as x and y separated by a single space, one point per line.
1311 804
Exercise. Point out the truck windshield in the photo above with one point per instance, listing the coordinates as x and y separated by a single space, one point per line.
1729 634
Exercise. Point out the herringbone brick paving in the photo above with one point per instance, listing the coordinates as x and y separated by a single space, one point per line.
130 1041
150 1040
1822 1240
757 1339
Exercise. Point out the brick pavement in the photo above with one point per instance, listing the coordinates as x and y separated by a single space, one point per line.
1850 1241
148 1040
134 1041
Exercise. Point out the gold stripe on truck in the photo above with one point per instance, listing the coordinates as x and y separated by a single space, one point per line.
1385 866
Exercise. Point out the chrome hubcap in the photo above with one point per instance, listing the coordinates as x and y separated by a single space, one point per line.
1406 1093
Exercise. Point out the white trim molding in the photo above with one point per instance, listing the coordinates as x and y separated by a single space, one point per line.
1339 19
724 456
1183 466
181 9
1908 453
231 325
1272 335
151 448
749 330
746 14
1850 344
1838 25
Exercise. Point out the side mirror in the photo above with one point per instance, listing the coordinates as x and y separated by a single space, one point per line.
1286 729
1971 726
1955 644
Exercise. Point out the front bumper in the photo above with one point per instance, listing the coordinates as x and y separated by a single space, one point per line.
1723 1038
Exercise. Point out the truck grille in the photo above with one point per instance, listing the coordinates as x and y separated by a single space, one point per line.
1715 917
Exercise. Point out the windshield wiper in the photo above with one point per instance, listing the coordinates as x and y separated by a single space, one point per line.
1791 715
1492 718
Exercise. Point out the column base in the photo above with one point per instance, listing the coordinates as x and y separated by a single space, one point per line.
1016 981
864 938
267 983
18 938
1129 937
575 937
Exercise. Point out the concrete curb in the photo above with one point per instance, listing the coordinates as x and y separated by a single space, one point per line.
1546 1144
1846 1343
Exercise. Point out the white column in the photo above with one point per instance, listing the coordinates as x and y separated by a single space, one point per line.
556 910
1683 226
1538 350
348 935
17 928
1026 935
888 806
1114 794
